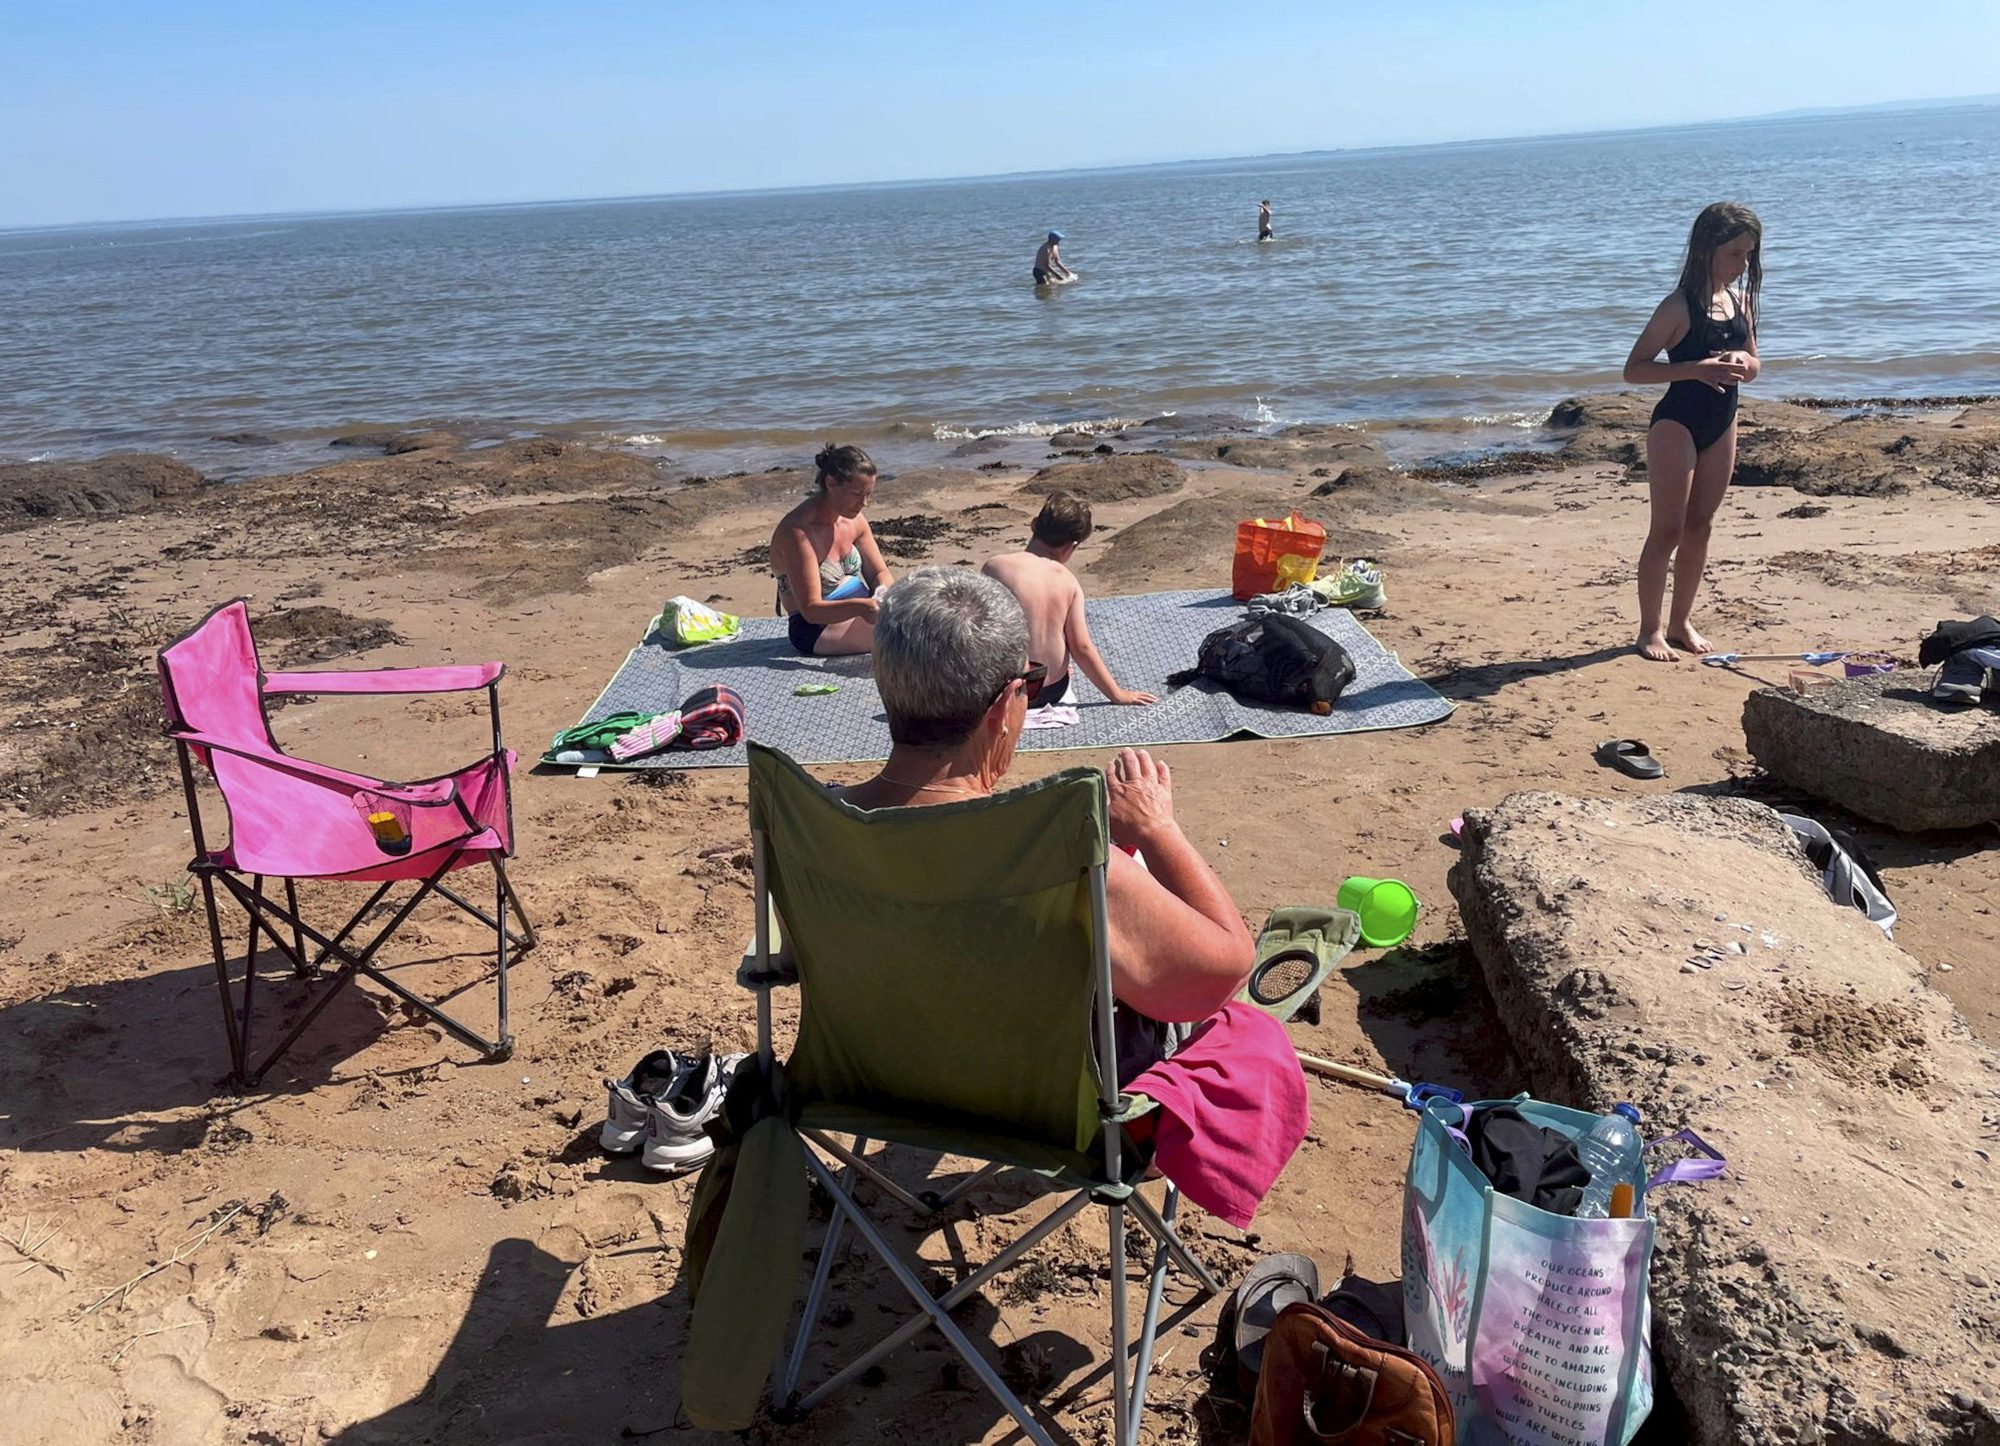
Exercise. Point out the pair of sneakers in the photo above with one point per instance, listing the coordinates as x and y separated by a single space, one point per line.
659 1111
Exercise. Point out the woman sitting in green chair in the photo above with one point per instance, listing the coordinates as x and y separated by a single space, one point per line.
952 665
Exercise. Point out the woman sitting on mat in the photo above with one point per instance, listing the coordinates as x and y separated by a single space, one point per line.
826 560
952 666
1708 329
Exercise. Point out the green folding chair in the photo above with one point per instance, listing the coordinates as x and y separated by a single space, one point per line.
955 977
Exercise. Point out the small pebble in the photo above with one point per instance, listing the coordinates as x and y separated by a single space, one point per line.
1722 918
1689 969
1736 947
367 1255
1745 1219
1944 968
1956 1183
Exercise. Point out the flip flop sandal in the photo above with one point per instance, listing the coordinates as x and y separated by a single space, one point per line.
1630 757
1273 1283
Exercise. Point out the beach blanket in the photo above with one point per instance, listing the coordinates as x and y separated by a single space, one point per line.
1143 638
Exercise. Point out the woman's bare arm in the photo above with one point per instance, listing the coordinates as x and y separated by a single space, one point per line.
793 559
1179 951
874 571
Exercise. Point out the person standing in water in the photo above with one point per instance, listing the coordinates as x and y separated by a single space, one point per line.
1048 261
828 566
1264 220
1708 328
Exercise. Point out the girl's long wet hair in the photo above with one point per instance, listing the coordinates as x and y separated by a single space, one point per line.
841 463
1714 228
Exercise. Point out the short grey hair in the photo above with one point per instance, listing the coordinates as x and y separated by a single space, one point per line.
947 641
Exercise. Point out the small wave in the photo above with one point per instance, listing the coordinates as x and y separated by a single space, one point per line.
949 432
641 439
1527 421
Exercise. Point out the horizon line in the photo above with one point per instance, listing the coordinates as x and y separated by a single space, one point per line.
1983 100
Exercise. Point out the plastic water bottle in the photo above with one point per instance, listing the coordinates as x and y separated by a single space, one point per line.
1614 1154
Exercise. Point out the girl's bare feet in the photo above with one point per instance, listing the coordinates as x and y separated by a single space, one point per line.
1693 641
1654 645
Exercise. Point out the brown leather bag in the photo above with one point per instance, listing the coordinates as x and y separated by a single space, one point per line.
1324 1383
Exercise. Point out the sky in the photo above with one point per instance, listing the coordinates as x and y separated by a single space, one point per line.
126 109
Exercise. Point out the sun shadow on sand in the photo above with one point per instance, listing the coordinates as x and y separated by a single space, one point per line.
1461 684
525 1366
129 1064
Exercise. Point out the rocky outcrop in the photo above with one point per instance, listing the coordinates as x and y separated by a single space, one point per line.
1110 479
1324 451
32 492
1841 1285
1880 748
1811 450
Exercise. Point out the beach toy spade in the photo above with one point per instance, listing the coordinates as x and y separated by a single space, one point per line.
1730 660
1386 907
1413 1096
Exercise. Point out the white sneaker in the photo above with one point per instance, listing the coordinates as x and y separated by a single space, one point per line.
675 1139
632 1097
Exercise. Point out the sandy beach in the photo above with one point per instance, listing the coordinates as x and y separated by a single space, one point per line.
433 1249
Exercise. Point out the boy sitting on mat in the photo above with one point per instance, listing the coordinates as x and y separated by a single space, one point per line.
1050 595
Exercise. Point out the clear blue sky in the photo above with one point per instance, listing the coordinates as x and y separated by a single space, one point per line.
142 108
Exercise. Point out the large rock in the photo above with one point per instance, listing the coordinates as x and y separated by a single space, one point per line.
1879 747
1838 1286
1110 479
32 492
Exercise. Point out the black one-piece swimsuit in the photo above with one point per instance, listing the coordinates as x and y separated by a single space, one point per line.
1704 411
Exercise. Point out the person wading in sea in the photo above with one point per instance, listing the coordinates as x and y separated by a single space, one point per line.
1048 261
1708 328
1264 220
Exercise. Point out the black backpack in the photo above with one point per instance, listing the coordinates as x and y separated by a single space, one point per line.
1273 658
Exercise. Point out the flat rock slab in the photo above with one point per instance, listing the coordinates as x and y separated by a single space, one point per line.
1842 1283
1880 748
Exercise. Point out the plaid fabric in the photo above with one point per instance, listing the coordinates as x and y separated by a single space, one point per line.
711 717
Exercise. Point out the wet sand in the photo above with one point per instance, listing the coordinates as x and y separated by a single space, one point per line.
434 1249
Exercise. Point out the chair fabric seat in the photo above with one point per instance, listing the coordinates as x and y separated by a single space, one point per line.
479 848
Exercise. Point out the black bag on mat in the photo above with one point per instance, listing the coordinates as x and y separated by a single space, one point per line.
1273 658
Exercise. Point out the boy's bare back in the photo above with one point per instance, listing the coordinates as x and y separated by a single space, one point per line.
1047 592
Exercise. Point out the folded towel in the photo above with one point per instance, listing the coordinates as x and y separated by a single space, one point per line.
649 737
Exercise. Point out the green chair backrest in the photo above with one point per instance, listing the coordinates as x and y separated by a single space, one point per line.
947 956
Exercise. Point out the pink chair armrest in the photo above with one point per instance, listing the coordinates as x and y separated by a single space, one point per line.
459 678
436 793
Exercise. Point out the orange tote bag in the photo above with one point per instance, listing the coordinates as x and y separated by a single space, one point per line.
1271 556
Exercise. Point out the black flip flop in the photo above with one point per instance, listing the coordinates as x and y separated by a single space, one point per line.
1630 757
1272 1284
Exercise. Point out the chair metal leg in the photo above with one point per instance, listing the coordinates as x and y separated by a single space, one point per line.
881 1181
527 939
829 1247
298 938
222 979
1163 1231
1122 1427
957 1192
939 1315
1149 1323
913 1326
355 965
250 907
506 1037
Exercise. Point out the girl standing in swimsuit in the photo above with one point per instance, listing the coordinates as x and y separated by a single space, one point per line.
1708 329
826 560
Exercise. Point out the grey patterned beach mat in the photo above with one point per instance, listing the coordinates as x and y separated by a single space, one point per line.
1143 639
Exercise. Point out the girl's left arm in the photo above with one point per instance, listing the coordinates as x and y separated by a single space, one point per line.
873 569
1750 352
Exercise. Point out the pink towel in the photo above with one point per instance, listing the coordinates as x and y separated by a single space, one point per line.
1232 1110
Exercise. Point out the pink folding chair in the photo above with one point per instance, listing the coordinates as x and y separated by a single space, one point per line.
291 820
